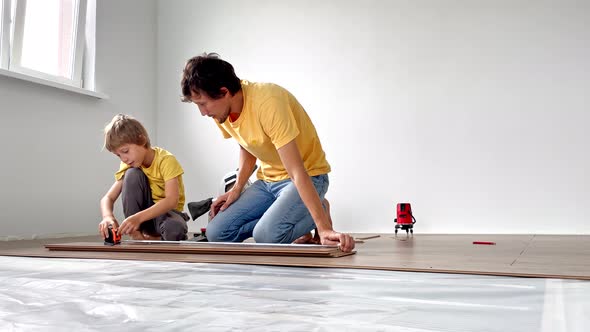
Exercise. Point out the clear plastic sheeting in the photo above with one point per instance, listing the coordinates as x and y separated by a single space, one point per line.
39 294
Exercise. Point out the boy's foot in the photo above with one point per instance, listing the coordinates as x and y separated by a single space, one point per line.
150 237
315 239
139 235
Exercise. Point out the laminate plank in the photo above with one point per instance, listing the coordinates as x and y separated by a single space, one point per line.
205 248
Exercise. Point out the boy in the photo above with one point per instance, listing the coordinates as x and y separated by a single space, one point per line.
150 179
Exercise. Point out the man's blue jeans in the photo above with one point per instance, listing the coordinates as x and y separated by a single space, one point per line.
271 212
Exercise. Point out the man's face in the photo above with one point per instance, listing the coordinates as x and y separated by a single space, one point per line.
131 154
215 108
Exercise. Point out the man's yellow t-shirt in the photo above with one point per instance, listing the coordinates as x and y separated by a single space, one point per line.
164 167
271 117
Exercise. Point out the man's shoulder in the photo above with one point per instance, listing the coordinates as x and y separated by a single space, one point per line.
263 89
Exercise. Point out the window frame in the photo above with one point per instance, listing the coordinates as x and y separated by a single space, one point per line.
5 11
14 63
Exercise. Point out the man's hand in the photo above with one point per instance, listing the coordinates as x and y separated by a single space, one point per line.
129 225
223 202
344 241
104 226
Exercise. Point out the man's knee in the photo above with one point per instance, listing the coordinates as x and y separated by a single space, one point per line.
174 230
215 231
222 228
263 234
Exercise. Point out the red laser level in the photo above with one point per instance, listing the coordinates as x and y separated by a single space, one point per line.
405 219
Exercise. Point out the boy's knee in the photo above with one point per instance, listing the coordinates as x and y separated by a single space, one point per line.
174 231
133 176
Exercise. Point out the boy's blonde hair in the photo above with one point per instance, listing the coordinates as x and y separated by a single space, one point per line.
125 129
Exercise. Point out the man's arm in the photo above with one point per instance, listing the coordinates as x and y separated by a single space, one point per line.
247 163
131 224
293 163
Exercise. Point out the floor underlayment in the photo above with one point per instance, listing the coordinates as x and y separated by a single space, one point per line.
40 294
551 256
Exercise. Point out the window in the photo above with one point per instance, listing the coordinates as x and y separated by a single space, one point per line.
4 33
44 39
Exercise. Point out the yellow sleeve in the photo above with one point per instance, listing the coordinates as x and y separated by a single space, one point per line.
278 122
170 168
122 168
223 131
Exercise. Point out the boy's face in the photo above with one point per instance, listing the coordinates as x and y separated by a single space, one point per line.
215 108
131 154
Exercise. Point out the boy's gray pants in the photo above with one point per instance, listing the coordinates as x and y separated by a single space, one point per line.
137 196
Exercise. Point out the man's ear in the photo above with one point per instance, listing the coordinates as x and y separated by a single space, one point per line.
224 91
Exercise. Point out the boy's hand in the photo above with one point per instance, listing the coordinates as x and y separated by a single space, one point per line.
129 225
104 226
344 241
223 202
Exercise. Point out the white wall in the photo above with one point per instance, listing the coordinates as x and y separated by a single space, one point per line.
473 111
53 170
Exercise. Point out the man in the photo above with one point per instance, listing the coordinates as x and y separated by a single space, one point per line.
270 125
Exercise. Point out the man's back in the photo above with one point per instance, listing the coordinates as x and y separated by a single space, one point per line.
272 117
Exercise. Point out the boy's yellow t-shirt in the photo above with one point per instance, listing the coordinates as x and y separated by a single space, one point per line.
163 168
271 117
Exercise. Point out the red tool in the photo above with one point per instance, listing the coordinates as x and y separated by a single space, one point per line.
201 237
405 219
113 238
485 242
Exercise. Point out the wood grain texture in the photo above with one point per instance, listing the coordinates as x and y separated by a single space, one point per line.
205 248
547 256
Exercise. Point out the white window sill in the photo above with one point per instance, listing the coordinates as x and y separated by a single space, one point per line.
23 77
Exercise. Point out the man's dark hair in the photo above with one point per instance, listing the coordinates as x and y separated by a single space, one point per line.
208 73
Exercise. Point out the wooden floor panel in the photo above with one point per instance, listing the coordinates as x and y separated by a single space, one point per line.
205 248
554 256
